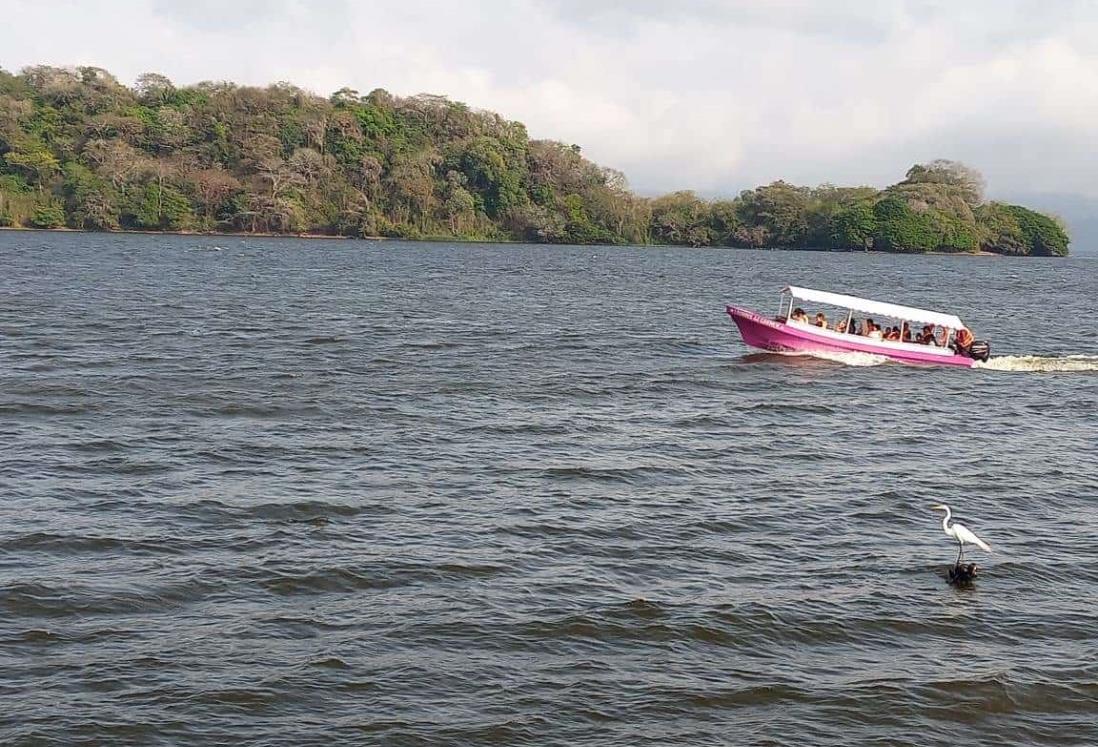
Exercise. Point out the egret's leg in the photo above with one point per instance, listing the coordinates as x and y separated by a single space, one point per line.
960 552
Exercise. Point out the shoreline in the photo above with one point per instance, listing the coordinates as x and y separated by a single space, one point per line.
260 234
455 240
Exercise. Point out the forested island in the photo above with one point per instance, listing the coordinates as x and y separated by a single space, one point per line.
80 150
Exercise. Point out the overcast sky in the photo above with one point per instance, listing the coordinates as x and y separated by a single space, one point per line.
712 95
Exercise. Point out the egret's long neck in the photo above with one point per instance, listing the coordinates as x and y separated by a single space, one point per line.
946 518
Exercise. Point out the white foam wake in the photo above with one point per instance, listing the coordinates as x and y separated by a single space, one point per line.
1041 363
848 357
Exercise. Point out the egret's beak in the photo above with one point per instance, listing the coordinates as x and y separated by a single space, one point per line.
938 507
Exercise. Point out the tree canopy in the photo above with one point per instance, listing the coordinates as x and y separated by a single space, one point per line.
79 149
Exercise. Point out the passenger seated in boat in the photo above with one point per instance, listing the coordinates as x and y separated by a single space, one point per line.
893 333
871 329
840 326
852 327
962 340
821 320
907 333
927 336
798 315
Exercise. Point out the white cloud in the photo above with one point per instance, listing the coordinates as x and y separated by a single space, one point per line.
700 94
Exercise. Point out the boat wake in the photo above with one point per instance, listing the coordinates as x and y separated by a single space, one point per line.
1041 363
1050 363
845 357
850 358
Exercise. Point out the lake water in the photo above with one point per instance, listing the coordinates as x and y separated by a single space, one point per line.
262 491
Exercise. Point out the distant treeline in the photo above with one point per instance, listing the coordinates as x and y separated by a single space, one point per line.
79 149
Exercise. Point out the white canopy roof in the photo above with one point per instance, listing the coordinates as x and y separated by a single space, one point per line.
866 306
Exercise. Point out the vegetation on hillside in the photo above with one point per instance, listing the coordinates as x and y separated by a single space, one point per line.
79 149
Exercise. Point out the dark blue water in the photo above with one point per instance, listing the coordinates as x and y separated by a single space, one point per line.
309 492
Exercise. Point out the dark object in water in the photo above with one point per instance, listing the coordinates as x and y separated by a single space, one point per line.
979 350
962 575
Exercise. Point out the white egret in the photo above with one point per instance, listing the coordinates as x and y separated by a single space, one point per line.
959 532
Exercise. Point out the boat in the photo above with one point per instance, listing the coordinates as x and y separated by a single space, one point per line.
785 333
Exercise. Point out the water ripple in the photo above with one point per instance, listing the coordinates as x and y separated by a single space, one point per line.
273 491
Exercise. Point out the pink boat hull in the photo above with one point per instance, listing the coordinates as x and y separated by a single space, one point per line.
784 337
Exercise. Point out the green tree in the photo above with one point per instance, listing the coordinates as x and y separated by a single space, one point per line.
854 227
967 180
412 187
1039 234
154 89
459 205
277 158
33 158
118 162
780 208
681 218
724 222
160 206
90 200
485 164
901 229
49 214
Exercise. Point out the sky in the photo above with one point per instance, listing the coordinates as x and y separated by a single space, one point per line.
710 95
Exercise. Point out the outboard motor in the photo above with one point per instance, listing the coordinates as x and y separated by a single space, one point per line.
979 350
